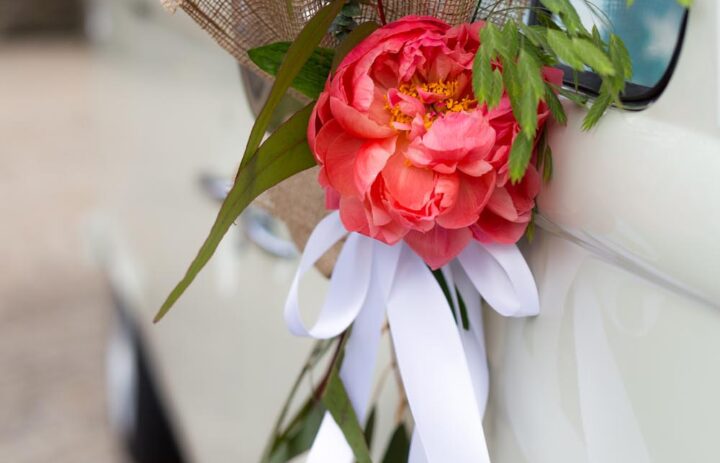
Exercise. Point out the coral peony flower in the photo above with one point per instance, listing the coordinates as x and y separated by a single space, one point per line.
406 153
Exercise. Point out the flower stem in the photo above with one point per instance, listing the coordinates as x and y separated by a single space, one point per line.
381 12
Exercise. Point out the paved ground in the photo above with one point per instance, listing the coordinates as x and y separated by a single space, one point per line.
54 306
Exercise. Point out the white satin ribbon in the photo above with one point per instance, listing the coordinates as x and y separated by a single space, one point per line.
443 367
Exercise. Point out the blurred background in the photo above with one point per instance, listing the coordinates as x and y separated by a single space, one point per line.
100 102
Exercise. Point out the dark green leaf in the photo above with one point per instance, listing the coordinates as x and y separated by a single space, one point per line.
338 404
369 431
351 40
399 447
530 230
520 155
283 154
300 433
547 167
593 56
598 108
298 53
310 81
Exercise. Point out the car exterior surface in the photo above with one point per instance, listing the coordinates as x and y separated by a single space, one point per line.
618 367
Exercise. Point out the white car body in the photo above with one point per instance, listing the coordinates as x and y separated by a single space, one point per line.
620 366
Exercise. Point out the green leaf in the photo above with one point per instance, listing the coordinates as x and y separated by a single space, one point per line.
579 99
338 404
298 53
300 433
535 34
531 71
510 40
620 56
686 3
482 75
523 100
369 431
399 447
497 89
520 155
569 15
352 40
564 48
283 154
310 81
598 108
556 108
547 167
593 56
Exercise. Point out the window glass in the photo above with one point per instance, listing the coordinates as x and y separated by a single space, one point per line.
650 29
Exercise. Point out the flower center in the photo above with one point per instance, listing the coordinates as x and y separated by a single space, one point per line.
437 99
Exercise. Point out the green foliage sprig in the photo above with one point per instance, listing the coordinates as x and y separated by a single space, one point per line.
511 58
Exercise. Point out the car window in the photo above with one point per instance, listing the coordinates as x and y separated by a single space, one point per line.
649 28
652 31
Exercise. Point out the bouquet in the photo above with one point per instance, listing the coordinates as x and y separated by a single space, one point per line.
429 126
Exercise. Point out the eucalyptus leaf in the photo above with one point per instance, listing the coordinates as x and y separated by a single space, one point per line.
310 81
398 449
298 53
283 154
300 434
338 404
369 431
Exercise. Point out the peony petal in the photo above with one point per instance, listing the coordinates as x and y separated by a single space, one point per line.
410 186
491 228
371 160
352 214
438 246
501 203
325 137
340 164
356 123
472 195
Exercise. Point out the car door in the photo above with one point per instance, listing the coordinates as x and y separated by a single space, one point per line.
621 364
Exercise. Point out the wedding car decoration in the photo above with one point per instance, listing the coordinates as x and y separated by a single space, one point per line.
432 144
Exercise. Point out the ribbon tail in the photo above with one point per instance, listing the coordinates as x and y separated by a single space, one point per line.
417 452
360 358
473 339
433 366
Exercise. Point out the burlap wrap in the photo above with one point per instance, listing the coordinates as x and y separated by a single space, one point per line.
238 25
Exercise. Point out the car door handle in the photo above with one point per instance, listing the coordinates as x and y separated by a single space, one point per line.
260 227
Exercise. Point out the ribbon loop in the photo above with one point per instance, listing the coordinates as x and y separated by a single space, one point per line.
348 287
502 277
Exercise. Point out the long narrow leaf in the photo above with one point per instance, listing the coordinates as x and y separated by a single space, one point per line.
338 404
283 154
298 53
310 81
